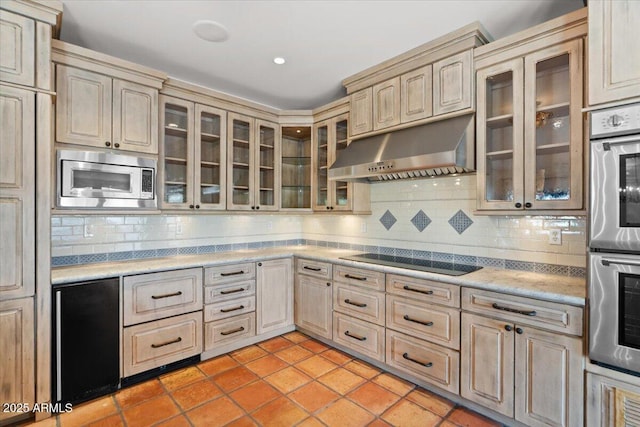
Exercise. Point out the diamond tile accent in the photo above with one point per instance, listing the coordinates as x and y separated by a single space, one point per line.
460 221
388 220
421 220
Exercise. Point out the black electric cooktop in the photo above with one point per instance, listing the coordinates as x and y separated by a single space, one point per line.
441 267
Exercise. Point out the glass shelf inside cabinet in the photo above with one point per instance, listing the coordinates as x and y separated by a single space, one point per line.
296 167
322 165
499 137
341 195
175 153
553 125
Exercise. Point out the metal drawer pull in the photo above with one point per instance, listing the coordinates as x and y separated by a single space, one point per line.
513 310
406 317
348 276
355 336
409 288
306 267
233 291
608 262
235 273
166 343
233 331
426 365
227 310
357 304
175 294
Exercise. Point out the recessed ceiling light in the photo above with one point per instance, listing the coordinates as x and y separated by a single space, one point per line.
210 31
279 60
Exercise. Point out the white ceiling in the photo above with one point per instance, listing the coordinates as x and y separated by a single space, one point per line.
322 41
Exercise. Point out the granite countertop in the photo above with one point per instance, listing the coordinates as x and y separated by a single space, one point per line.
563 289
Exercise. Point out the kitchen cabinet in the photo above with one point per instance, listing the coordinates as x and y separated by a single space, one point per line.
517 369
253 156
529 127
453 83
612 402
313 296
361 111
193 152
386 104
614 60
274 295
416 94
296 167
17 49
100 111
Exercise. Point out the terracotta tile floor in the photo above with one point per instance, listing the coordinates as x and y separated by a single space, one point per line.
286 381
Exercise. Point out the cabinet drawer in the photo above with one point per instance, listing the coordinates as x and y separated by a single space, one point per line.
225 309
359 277
363 337
432 363
427 321
153 296
229 273
158 343
424 290
548 315
226 331
358 302
227 291
313 268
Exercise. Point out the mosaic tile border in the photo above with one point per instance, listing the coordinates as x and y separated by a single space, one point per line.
506 264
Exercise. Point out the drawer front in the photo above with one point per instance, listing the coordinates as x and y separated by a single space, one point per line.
154 296
424 290
228 291
359 277
314 268
158 343
358 302
426 321
229 273
544 314
432 363
226 331
363 337
225 309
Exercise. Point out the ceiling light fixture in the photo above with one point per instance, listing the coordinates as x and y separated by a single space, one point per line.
279 60
210 31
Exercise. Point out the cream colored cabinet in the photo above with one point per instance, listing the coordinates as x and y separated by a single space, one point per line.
17 370
296 167
97 110
313 293
192 156
453 83
416 94
17 49
386 104
614 58
612 402
253 156
274 295
361 112
17 192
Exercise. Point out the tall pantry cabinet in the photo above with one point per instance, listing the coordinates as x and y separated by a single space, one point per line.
25 172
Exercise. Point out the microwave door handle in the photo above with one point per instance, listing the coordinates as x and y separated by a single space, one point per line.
608 262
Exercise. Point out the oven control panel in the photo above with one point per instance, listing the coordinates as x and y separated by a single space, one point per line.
615 121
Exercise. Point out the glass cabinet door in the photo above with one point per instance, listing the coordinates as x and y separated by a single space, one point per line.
268 166
321 165
241 159
341 199
499 136
176 153
210 158
296 167
553 127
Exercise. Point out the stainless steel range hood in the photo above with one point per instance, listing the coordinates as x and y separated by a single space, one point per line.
438 148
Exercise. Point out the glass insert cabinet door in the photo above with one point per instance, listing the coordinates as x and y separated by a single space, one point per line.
321 166
176 153
241 160
296 167
267 174
341 189
210 158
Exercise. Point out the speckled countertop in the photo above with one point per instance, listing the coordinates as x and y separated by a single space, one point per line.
569 290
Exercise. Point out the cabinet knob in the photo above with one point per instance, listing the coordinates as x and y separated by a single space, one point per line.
190 206
259 264
527 205
117 145
107 143
331 208
508 328
197 206
253 207
328 208
328 283
518 205
257 207
519 331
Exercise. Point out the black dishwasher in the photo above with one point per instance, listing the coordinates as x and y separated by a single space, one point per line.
86 340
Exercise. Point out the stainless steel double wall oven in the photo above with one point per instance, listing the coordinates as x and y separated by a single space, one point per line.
614 256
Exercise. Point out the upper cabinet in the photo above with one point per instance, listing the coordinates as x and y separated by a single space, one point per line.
529 120
296 167
430 80
105 102
614 58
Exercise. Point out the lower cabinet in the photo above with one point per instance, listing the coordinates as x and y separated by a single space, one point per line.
363 337
274 295
312 305
612 402
229 330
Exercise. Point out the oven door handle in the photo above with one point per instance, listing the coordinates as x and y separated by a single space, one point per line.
619 141
608 262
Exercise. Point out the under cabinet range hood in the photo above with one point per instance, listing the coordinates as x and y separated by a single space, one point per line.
433 149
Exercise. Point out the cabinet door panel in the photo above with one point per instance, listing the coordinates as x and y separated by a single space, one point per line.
83 107
17 49
452 83
313 302
267 173
274 295
487 354
386 104
416 95
241 161
135 117
210 158
361 110
549 379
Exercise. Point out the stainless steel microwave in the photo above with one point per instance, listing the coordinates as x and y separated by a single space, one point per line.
95 179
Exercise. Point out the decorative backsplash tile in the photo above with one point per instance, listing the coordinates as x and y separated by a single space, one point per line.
460 221
421 220
388 220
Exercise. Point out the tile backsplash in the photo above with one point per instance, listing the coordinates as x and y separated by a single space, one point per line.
428 216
